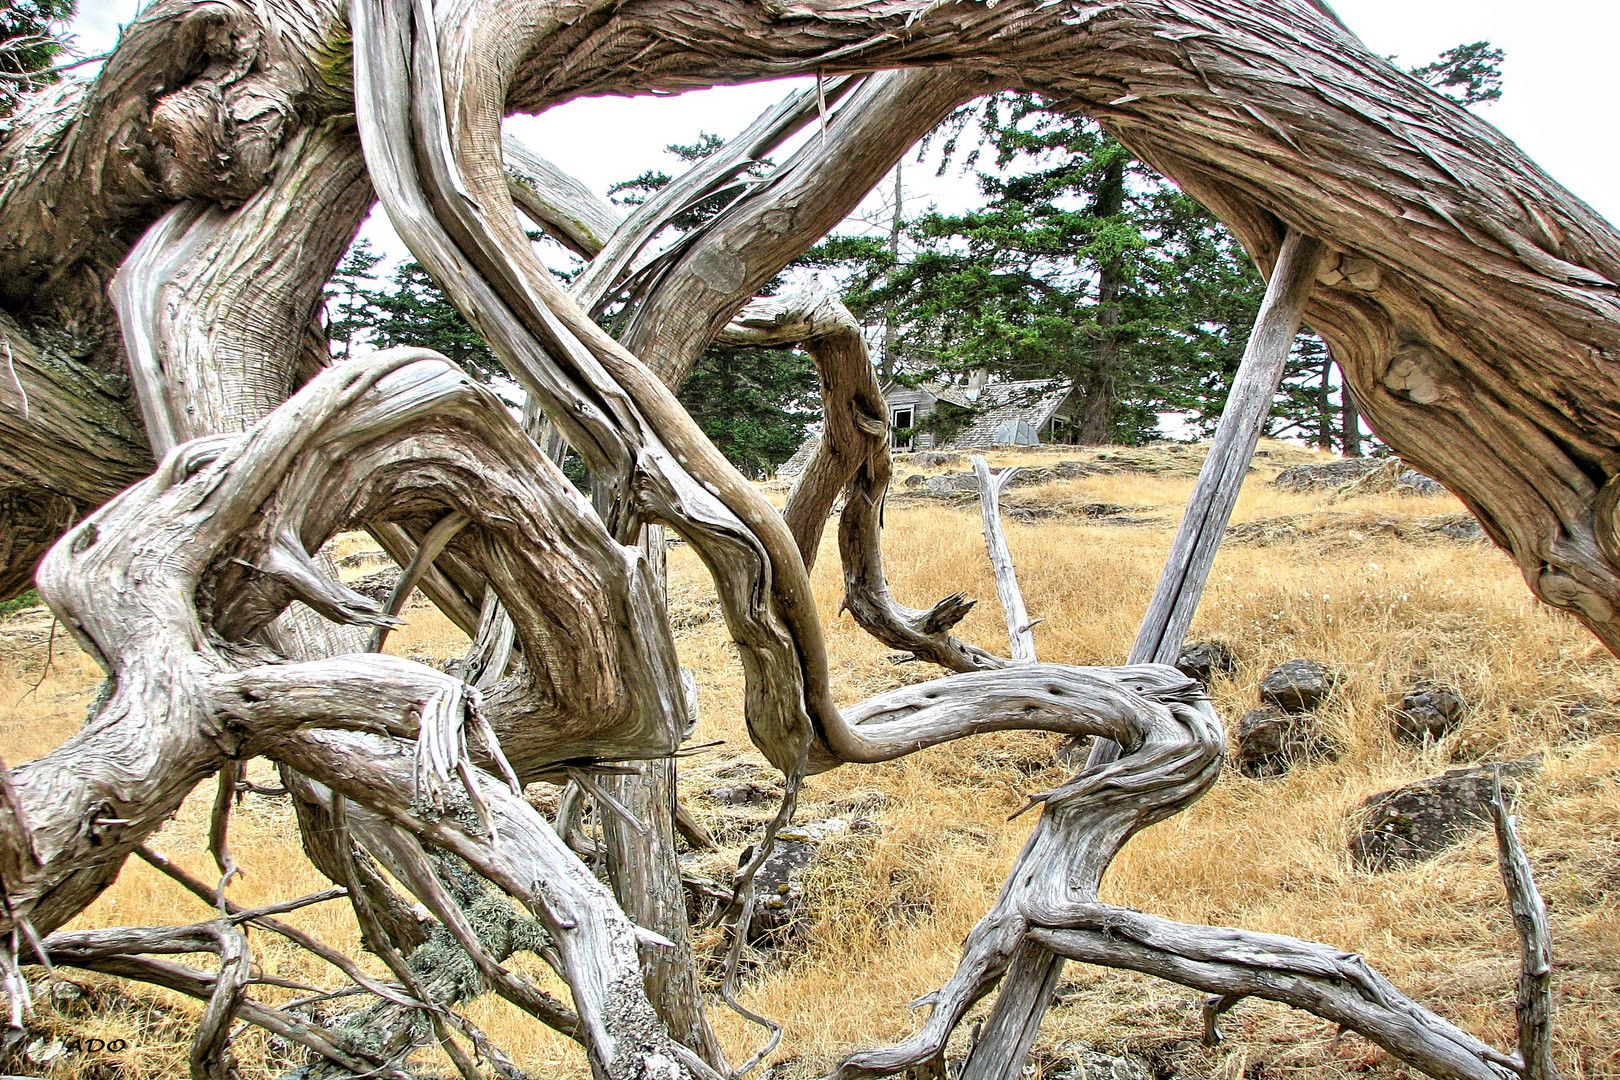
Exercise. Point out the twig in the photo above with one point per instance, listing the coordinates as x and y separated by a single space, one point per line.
743 904
298 937
219 827
376 939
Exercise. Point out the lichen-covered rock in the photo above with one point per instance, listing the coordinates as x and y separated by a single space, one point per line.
956 484
1418 821
1079 1061
1427 714
1203 660
779 900
1270 741
1339 474
1297 685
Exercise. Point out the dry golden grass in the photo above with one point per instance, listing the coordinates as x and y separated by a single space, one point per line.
893 905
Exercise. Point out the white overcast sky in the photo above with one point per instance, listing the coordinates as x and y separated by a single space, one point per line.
1559 103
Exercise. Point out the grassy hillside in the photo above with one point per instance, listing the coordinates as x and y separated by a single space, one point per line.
1372 581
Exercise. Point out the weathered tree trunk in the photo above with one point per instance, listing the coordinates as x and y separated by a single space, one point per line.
237 174
1095 425
1351 438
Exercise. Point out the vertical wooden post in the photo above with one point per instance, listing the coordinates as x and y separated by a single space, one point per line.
1014 1020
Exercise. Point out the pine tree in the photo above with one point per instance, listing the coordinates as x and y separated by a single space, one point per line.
31 46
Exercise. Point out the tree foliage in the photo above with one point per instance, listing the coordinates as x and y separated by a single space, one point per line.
31 43
1087 267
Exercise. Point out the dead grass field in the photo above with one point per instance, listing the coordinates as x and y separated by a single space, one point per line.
893 905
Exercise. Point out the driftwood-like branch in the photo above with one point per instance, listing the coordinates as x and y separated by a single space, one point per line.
566 209
854 457
1243 421
1535 997
1337 986
233 120
1020 630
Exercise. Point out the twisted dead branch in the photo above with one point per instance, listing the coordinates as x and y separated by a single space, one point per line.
234 117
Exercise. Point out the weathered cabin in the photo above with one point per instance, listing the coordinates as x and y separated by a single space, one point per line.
983 414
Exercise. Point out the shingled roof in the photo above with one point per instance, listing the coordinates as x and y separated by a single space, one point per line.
1033 401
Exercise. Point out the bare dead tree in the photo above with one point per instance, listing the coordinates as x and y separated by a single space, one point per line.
176 447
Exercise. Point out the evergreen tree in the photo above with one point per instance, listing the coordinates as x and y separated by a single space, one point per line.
1083 267
1468 74
31 46
1086 267
351 312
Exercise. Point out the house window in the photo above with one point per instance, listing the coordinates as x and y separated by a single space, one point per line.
901 419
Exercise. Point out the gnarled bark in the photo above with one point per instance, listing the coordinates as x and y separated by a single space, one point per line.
228 123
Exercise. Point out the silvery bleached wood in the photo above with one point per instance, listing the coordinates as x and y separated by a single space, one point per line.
1010 1030
1534 1003
1182 83
852 457
1020 630
1243 421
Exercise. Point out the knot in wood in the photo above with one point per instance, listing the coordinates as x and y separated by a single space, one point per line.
1416 374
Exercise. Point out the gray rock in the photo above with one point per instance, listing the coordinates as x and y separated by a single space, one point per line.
1078 1061
930 459
1203 660
1297 685
1269 742
376 586
916 480
779 898
1420 484
947 487
748 793
1416 822
1427 714
1337 474
1461 527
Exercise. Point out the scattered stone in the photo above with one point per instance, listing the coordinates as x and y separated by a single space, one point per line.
1419 483
1297 685
929 459
916 480
1203 660
1459 527
65 994
1414 823
1427 714
361 558
948 487
1269 742
747 793
1334 530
